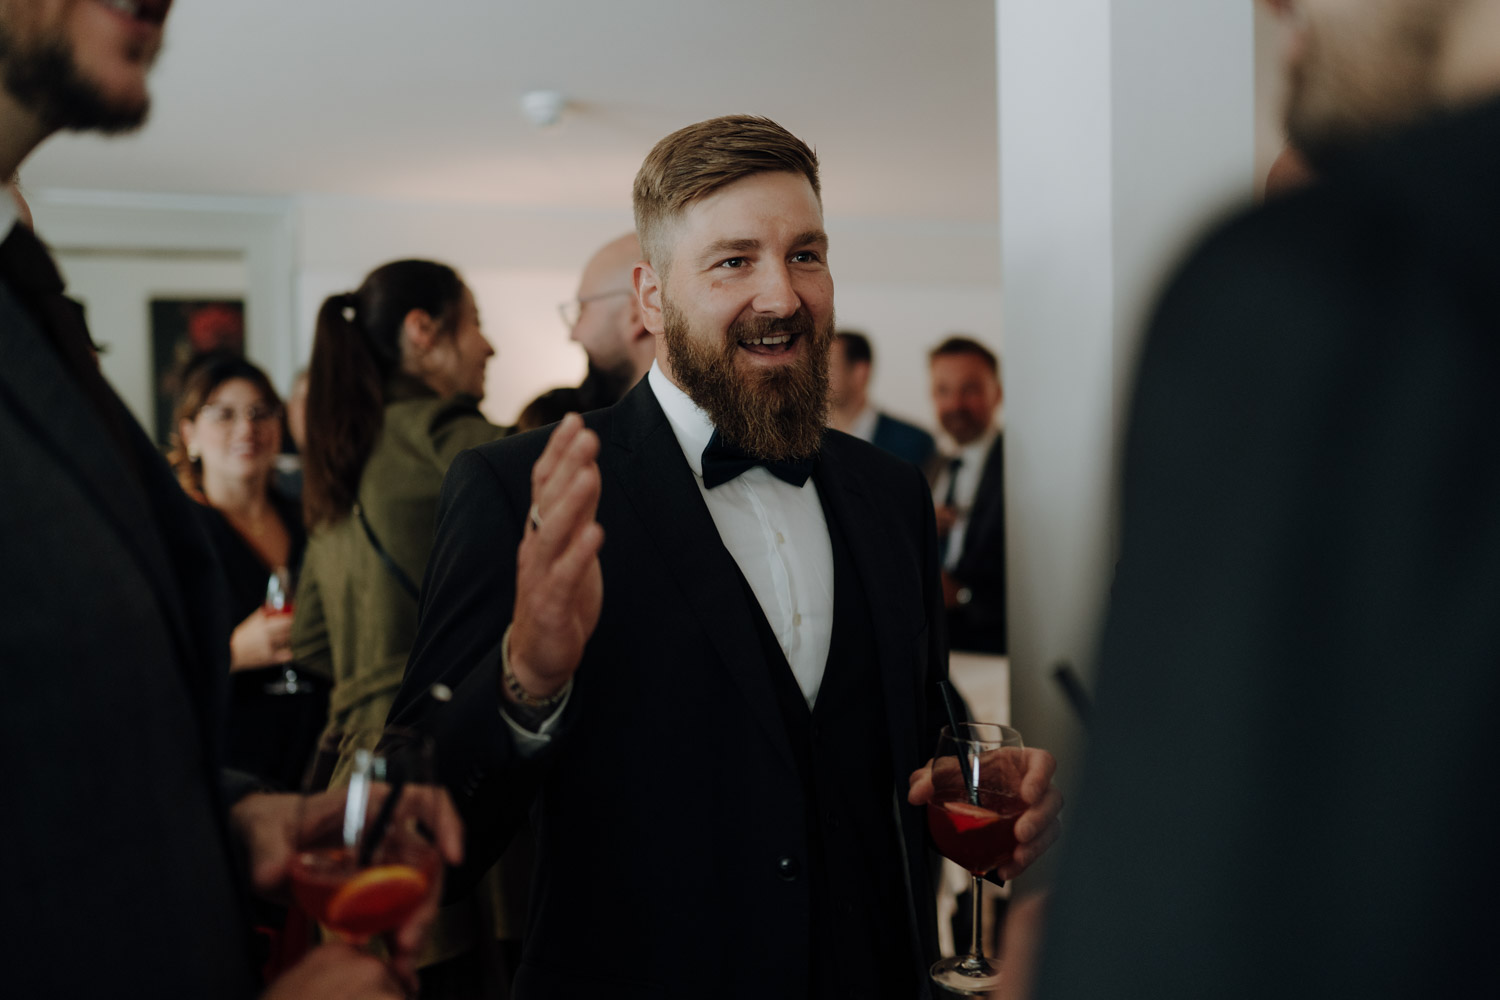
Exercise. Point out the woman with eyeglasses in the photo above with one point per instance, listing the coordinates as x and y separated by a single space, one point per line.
227 434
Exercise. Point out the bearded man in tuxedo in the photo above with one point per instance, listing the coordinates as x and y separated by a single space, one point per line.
715 713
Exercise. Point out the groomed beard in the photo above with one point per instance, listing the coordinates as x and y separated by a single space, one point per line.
773 413
45 79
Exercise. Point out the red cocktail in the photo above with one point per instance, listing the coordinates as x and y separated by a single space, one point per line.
976 776
356 902
979 838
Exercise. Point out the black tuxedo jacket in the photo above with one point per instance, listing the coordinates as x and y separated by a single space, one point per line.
114 854
980 625
670 816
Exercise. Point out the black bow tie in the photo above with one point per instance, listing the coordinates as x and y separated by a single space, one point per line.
723 461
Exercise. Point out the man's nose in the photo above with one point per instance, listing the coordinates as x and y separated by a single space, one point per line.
776 294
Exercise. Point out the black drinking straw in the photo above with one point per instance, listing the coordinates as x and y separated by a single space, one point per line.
1073 690
376 833
946 690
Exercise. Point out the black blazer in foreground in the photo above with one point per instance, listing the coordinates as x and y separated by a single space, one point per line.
114 857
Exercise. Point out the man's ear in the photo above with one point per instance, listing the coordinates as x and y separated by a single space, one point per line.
632 323
648 296
419 329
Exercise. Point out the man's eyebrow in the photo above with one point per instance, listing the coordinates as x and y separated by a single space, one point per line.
730 247
727 248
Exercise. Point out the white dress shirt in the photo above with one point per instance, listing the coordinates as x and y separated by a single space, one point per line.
974 455
777 534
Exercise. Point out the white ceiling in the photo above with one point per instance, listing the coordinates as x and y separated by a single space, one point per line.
418 101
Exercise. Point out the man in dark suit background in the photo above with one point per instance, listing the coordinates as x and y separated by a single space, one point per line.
850 364
123 873
714 718
969 493
1299 674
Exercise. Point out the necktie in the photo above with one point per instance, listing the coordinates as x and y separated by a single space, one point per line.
723 461
27 268
950 499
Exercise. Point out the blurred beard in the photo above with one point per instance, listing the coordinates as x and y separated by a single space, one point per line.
45 80
1354 87
774 414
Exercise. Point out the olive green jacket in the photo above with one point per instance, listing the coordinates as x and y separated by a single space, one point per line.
354 622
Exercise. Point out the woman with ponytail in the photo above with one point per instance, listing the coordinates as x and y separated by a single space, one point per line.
393 391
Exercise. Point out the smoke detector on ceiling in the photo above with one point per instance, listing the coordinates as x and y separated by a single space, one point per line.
543 107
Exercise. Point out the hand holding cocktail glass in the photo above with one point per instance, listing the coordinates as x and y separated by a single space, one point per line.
286 836
1036 828
990 808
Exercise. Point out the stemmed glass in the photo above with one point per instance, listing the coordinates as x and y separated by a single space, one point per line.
279 602
976 799
364 861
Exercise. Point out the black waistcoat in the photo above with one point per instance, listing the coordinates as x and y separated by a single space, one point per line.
861 926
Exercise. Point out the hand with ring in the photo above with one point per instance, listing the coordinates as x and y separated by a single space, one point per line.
559 585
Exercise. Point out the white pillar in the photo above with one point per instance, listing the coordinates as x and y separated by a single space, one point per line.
1124 125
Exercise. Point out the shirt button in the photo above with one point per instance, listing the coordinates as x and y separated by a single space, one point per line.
780 538
796 619
786 869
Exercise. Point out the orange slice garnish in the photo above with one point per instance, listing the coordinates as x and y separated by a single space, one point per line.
377 899
970 817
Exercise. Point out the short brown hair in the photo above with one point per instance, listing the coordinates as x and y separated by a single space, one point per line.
698 160
966 345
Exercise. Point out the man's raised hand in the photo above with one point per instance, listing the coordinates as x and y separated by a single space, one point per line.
559 585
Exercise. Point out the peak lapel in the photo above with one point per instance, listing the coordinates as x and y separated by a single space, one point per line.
642 457
892 585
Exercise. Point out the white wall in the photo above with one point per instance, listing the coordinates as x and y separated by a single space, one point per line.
904 323
1118 141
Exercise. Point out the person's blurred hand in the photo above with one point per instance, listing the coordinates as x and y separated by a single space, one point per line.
261 640
338 971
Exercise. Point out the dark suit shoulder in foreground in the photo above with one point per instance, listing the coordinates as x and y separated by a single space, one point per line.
1295 703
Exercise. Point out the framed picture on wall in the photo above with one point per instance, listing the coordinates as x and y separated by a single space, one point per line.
180 330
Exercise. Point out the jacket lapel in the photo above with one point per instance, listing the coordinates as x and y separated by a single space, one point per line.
848 496
644 460
34 381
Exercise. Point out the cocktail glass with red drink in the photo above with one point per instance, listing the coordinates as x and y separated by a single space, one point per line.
364 862
976 783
